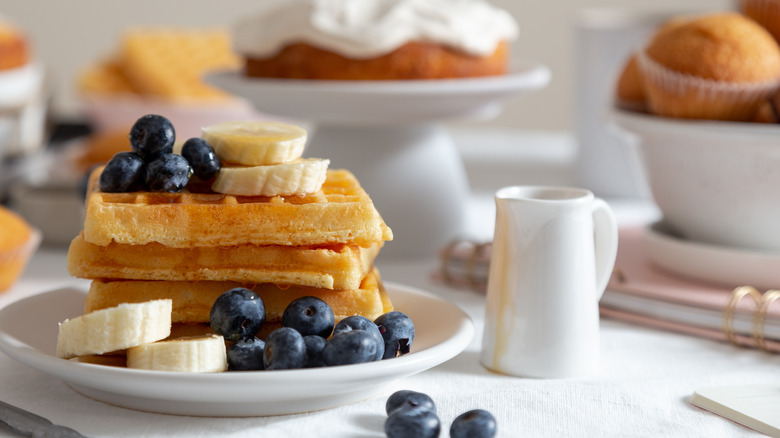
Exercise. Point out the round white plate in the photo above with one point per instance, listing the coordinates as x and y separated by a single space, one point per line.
383 102
442 332
711 263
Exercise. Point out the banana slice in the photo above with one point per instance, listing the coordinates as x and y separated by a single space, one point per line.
255 143
115 328
298 177
197 354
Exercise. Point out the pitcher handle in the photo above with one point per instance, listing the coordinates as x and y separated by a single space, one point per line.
605 244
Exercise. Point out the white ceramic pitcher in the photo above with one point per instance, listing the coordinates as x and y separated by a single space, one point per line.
553 252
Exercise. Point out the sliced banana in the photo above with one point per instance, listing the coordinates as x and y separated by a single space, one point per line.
198 354
116 328
299 177
255 143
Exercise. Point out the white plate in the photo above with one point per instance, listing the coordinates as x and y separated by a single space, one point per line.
442 332
711 263
380 102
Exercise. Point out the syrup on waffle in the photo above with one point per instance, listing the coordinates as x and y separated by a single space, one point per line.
341 212
338 266
192 301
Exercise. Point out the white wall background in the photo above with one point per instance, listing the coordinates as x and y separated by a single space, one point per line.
73 33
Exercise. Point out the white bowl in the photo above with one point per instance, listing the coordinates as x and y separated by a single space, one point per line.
715 182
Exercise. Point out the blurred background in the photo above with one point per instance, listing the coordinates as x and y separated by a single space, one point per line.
555 135
72 34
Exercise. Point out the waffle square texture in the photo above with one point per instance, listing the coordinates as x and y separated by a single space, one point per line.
192 301
340 213
338 266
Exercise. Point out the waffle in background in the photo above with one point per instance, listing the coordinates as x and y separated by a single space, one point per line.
161 71
167 63
105 78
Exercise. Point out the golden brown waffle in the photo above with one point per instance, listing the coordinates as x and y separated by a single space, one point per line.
106 78
341 212
192 301
331 267
170 62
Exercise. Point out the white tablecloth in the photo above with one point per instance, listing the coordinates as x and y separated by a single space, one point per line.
642 389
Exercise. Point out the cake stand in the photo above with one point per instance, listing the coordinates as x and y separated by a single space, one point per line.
389 134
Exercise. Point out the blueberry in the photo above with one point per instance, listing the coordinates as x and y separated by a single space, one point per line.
477 423
123 173
350 347
284 350
310 316
405 398
357 322
168 173
205 163
412 422
397 331
151 136
314 346
246 355
237 314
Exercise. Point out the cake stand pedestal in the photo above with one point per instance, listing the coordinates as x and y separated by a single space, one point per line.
389 134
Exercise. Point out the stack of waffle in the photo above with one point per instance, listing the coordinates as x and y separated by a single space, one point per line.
191 247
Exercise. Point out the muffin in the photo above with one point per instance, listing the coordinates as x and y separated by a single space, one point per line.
629 92
17 243
14 49
376 40
767 113
718 67
765 12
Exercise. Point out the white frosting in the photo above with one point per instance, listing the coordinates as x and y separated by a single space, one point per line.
370 28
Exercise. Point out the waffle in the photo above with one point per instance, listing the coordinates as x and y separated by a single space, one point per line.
106 78
192 301
332 267
341 212
169 63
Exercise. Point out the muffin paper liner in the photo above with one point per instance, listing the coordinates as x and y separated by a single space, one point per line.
718 99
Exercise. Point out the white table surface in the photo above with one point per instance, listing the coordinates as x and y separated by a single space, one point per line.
641 390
